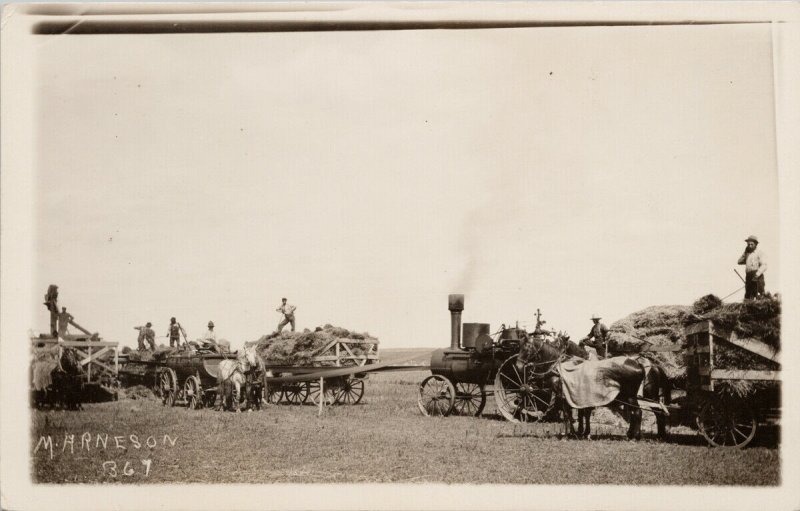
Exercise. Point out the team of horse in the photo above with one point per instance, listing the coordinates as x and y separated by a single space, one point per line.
637 377
57 380
238 380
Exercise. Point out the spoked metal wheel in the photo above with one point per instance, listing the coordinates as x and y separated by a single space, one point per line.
168 386
350 392
725 424
296 393
470 399
192 394
316 394
520 394
273 393
436 396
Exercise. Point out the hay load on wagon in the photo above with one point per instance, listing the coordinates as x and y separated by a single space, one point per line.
659 325
664 325
326 346
757 320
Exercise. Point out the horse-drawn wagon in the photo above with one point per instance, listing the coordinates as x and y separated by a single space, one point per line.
730 402
314 380
183 376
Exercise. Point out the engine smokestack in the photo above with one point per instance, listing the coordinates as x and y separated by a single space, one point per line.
455 303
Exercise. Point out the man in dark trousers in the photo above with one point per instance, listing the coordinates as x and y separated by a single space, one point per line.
174 333
754 267
51 302
598 337
146 334
288 314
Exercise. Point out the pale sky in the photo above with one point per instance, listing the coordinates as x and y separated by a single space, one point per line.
366 175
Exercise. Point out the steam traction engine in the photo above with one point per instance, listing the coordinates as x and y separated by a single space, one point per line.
476 365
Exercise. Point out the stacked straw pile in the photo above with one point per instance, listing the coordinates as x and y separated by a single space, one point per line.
754 319
664 326
300 348
660 325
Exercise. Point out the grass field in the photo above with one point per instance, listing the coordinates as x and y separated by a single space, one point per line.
383 439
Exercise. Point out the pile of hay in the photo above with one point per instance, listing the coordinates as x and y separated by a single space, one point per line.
753 319
137 392
161 352
660 325
299 348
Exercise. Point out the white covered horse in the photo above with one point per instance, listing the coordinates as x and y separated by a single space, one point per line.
232 376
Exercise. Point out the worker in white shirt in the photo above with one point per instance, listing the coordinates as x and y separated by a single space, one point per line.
209 339
754 266
288 315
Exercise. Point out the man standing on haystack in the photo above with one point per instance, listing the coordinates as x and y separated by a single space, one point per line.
598 337
288 315
146 334
754 267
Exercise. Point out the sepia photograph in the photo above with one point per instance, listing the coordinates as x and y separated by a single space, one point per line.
399 255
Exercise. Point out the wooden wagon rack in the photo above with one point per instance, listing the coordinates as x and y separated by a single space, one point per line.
701 340
95 356
340 353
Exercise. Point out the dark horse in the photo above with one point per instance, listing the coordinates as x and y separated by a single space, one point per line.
631 374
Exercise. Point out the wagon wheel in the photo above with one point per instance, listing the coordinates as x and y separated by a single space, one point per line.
296 393
192 393
724 424
470 399
436 396
350 392
520 394
315 395
273 393
168 386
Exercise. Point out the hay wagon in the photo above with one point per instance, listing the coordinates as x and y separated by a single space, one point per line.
320 378
730 403
184 377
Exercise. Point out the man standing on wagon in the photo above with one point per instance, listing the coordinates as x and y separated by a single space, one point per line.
597 337
174 333
754 267
146 334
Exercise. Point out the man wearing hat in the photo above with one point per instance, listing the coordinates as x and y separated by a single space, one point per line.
174 333
209 340
754 267
598 337
146 334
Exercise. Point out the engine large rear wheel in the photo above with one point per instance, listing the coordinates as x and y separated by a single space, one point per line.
521 394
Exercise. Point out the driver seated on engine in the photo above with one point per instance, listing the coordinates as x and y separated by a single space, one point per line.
208 342
597 338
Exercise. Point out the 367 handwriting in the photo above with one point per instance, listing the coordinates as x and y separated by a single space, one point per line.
110 468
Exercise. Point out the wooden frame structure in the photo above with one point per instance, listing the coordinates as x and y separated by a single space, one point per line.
94 354
339 351
701 338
